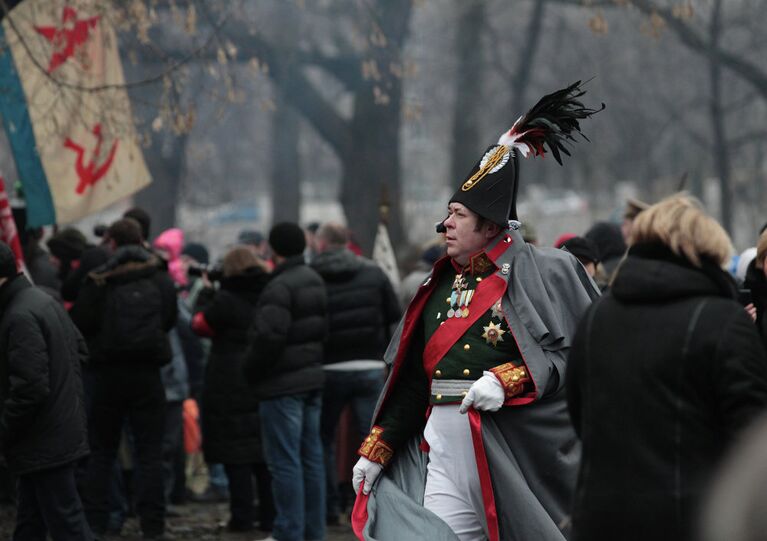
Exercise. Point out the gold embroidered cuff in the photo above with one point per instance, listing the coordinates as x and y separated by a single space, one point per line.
375 449
513 378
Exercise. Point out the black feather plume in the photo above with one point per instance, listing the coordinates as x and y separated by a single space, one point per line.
551 123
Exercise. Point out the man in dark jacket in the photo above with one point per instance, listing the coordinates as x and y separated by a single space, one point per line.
362 307
285 364
125 309
42 418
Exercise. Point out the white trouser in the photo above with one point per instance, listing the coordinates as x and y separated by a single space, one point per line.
453 491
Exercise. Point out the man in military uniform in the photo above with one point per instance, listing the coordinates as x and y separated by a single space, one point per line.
471 432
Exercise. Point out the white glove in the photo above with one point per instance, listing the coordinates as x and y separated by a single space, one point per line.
485 394
365 470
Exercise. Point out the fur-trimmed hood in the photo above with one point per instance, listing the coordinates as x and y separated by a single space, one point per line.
127 263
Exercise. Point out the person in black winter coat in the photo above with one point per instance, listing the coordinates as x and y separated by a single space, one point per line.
665 370
362 308
285 365
230 423
756 281
43 429
125 309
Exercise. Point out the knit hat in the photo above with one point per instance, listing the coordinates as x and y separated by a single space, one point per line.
608 239
582 248
8 267
564 237
68 244
143 219
196 251
287 239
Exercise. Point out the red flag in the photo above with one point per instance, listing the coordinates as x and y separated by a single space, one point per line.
8 231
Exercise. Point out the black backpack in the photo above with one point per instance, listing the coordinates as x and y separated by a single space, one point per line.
132 325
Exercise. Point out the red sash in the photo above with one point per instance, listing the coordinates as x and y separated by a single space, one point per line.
487 293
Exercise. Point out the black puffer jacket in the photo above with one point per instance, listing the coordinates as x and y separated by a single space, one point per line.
664 371
230 422
290 326
129 264
361 306
42 412
756 281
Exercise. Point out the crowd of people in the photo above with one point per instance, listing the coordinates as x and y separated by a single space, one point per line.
508 391
272 342
282 334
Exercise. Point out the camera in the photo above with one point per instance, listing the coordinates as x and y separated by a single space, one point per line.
215 272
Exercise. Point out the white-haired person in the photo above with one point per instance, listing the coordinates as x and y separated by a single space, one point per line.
665 370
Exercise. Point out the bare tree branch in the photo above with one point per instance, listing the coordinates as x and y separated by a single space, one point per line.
689 37
302 94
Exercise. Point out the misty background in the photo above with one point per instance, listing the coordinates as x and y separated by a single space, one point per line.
257 111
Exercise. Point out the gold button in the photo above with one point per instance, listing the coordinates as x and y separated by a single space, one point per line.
466 372
515 378
442 323
479 278
447 300
367 439
467 347
464 393
438 397
438 373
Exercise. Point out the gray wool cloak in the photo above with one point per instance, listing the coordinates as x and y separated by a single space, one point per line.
530 450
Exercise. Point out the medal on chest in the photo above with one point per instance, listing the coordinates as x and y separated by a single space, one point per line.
460 297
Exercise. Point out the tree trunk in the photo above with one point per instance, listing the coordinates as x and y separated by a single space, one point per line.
466 141
720 149
367 144
371 163
286 164
524 71
371 168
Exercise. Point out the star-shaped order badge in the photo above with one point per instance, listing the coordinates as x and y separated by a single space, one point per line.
493 333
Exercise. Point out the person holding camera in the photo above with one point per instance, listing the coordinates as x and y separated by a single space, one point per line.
230 421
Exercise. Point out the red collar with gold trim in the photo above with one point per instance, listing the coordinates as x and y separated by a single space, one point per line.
484 260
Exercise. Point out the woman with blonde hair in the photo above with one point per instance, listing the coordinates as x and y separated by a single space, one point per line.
664 371
231 428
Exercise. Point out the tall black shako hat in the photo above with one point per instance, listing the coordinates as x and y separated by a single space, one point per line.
490 189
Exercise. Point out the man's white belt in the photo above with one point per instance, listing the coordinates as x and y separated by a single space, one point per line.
450 387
